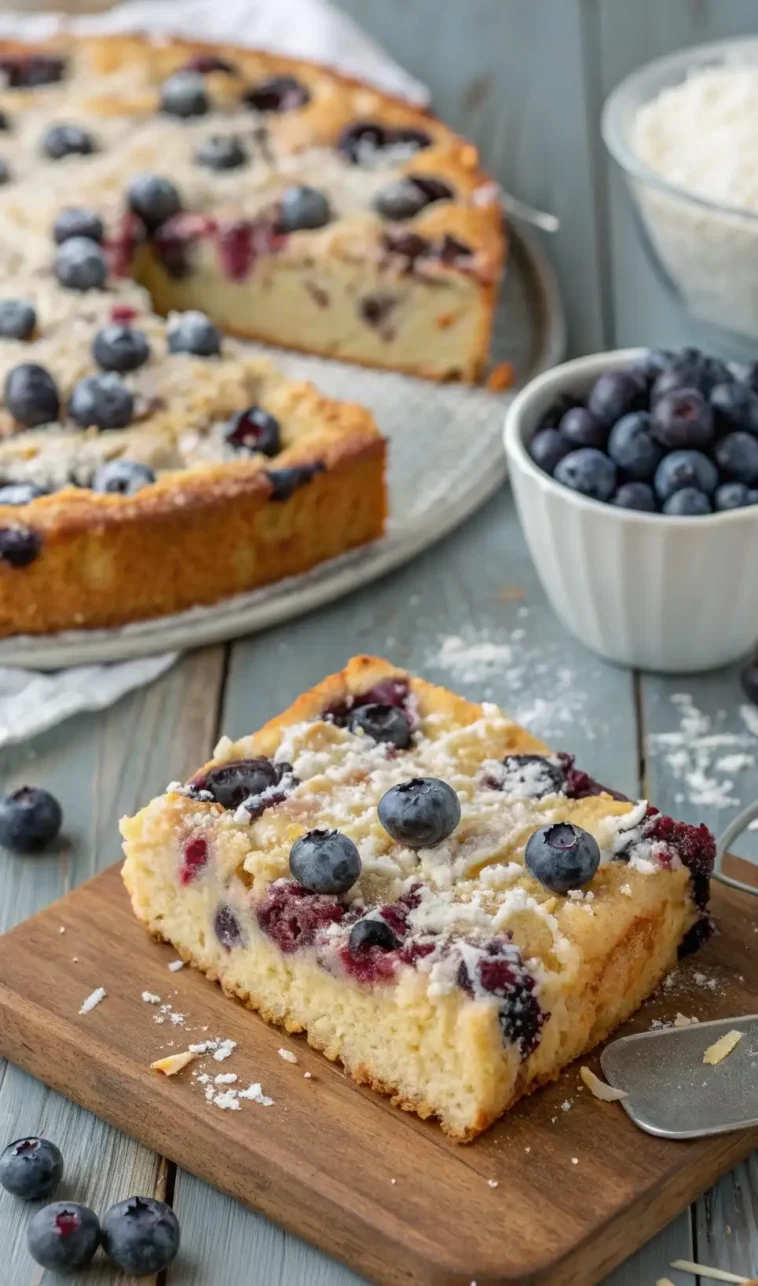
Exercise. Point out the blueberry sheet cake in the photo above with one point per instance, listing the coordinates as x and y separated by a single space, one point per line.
426 890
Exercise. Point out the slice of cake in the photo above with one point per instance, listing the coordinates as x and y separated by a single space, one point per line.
425 889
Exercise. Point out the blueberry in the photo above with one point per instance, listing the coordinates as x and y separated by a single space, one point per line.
30 819
221 152
193 332
227 929
325 861
562 856
746 373
581 428
730 495
652 362
615 393
254 430
749 679
80 264
682 418
688 502
735 406
301 208
5 172
74 221
19 546
122 477
421 812
588 471
184 95
31 1168
27 71
685 469
19 493
373 933
361 141
737 457
102 401
67 140
690 369
63 1236
153 198
141 1235
635 495
556 411
232 783
285 482
278 94
631 446
382 723
532 776
120 348
547 447
31 395
17 319
409 195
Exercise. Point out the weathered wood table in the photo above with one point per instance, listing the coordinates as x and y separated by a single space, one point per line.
526 80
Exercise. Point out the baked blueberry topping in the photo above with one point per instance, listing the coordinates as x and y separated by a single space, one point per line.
695 846
407 245
688 502
4 122
120 348
101 401
207 63
500 972
67 140
632 447
195 859
737 457
226 928
682 418
80 264
17 319
63 1236
635 495
30 819
141 1235
153 198
19 546
325 861
301 208
376 310
31 395
533 776
372 933
614 394
580 428
562 856
361 141
221 152
689 469
294 917
5 172
122 477
74 221
31 1168
547 447
234 783
28 71
734 495
241 242
184 95
382 723
19 493
588 471
409 195
254 430
193 332
420 813
286 481
278 94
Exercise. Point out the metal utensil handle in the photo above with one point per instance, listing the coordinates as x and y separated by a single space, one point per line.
724 843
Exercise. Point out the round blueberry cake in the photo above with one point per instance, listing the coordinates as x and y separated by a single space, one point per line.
429 892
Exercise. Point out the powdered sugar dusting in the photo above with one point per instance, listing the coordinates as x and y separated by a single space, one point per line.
703 757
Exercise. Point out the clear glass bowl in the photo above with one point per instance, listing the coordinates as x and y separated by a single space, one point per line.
706 253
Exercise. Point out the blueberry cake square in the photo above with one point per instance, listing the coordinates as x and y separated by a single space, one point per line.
422 887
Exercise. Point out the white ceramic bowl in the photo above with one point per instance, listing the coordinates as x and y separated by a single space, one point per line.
646 590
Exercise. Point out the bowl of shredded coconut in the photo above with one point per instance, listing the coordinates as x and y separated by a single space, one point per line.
684 129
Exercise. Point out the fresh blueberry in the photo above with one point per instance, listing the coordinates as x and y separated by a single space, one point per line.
153 198
31 1168
682 418
102 401
547 447
122 477
690 369
301 208
532 776
562 856
31 395
5 172
581 428
688 502
746 373
735 406
635 495
233 783
615 393
221 152
652 362
80 264
17 319
556 411
731 495
589 471
254 430
193 332
74 221
19 546
373 933
184 95
631 446
409 195
382 723
421 812
737 457
325 861
686 469
141 1235
30 819
67 140
63 1236
19 493
120 348
278 94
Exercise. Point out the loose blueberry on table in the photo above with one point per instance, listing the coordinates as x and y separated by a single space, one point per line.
672 433
31 1168
30 819
63 1235
141 1235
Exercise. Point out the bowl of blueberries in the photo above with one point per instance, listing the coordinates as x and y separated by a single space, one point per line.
635 475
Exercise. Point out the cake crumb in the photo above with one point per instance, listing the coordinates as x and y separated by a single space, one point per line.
176 965
62 929
527 1149
682 1020
225 1049
225 1078
94 998
255 1092
600 1089
575 1160
566 1105
717 1052
626 889
226 1100
393 1180
307 1076
288 1056
74 959
150 998
664 1281
174 1063
492 1183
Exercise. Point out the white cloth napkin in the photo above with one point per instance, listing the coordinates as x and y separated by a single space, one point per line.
30 702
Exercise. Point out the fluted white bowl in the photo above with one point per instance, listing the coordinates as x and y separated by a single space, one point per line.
646 590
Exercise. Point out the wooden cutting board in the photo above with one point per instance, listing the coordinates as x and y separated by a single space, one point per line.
335 1163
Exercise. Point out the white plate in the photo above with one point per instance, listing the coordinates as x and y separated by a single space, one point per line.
446 459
